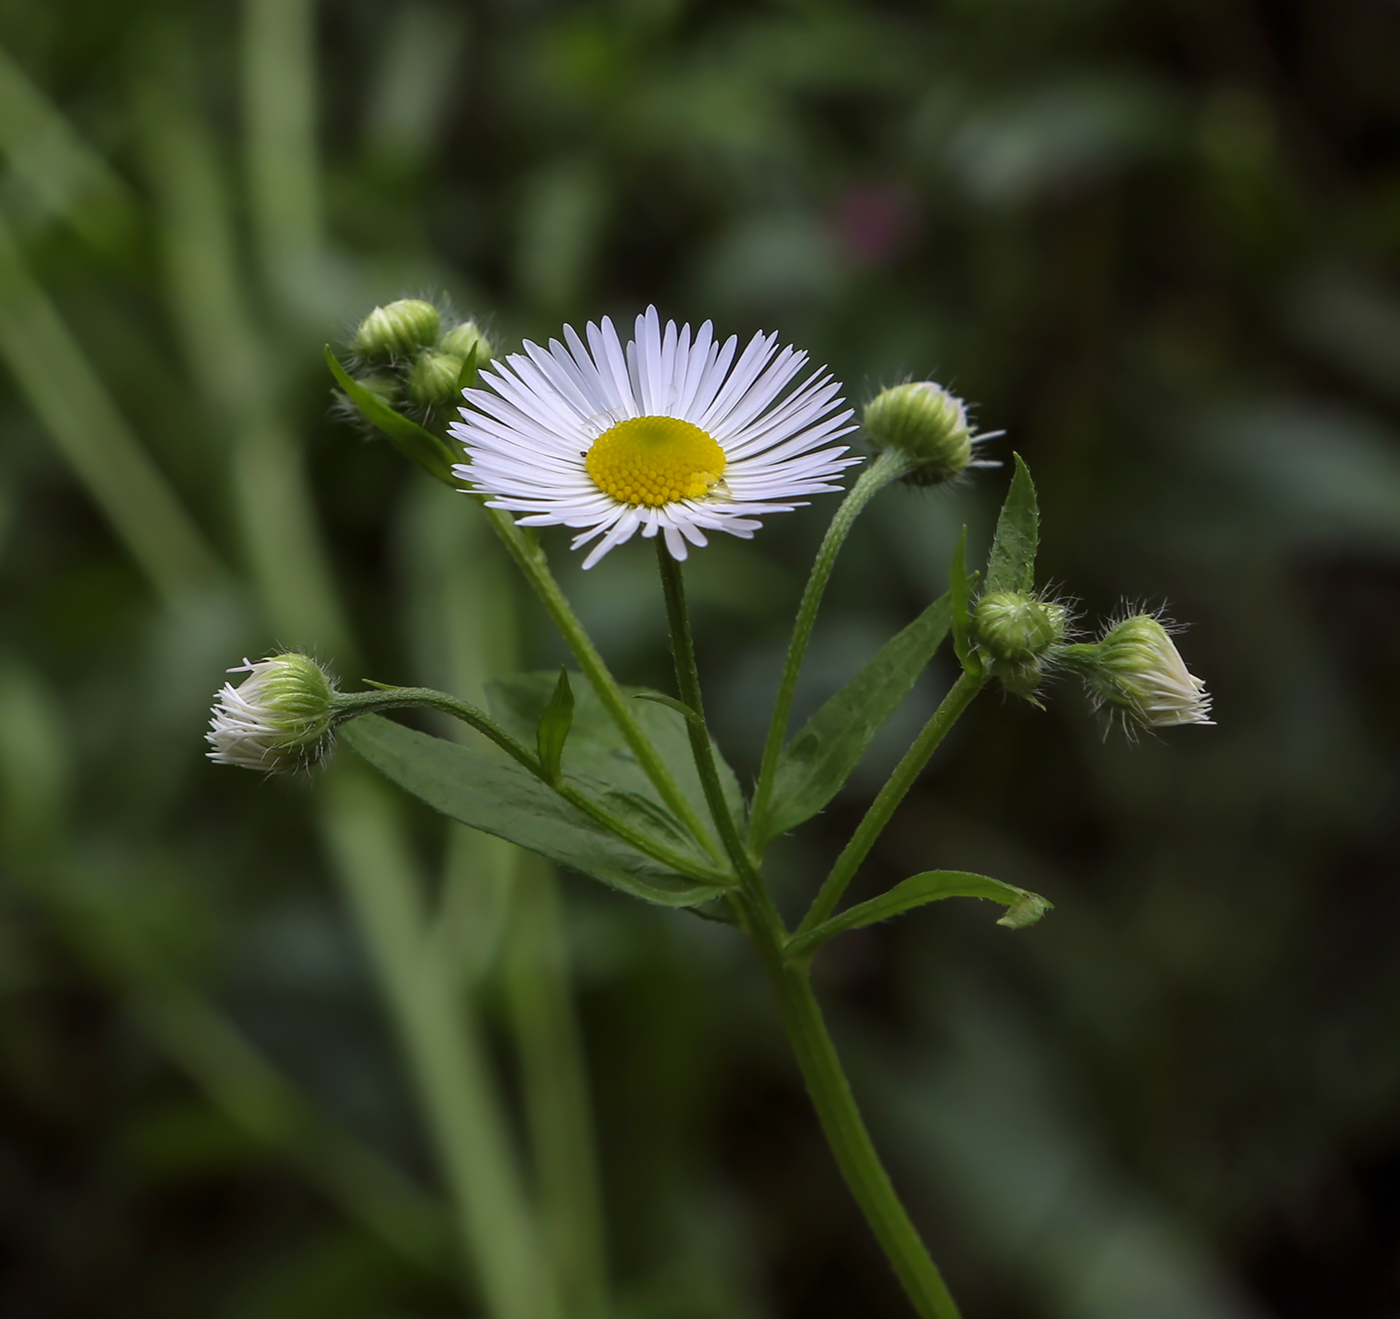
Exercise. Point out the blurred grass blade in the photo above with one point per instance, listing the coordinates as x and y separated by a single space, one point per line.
84 422
60 171
443 1049
279 105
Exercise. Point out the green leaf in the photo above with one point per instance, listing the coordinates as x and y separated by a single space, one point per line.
1023 907
408 437
598 750
830 745
1011 566
553 729
467 376
502 798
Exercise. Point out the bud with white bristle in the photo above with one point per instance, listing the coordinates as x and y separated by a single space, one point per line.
279 718
1137 674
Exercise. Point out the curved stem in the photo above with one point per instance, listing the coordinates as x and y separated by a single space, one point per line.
889 466
883 807
842 1123
529 558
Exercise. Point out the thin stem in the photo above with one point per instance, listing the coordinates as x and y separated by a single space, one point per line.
688 683
531 561
842 1123
889 466
884 805
425 698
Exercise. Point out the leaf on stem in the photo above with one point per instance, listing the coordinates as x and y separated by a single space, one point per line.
408 437
830 745
1023 907
598 749
1011 566
670 702
502 798
553 729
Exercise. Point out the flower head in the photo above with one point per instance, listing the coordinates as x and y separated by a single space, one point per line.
1137 674
279 718
675 434
398 330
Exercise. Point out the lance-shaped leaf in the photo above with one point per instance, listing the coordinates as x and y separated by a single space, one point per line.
1011 566
553 729
416 444
830 745
502 798
1023 907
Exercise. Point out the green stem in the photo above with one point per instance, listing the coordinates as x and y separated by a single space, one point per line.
529 558
688 683
841 1120
884 806
889 466
351 704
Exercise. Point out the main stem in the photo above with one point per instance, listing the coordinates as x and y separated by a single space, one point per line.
842 1123
889 466
816 1055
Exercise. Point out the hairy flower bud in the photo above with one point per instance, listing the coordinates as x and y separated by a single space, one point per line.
1016 631
461 339
279 718
434 378
1137 674
925 423
398 330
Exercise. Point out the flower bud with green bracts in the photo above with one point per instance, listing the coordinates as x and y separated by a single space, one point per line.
927 425
398 330
433 379
279 718
1136 674
464 339
1018 633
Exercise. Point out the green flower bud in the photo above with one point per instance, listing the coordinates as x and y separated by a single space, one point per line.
385 388
461 339
925 423
397 330
433 378
1138 675
279 718
1016 631
1011 626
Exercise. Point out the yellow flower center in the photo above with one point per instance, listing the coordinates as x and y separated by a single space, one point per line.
655 461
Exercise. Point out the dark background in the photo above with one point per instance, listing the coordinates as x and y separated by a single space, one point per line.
1158 242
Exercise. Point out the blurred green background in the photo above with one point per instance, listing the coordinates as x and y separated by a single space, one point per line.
1158 242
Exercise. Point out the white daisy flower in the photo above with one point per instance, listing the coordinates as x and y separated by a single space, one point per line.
670 435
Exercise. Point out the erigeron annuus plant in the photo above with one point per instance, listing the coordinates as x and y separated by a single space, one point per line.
672 436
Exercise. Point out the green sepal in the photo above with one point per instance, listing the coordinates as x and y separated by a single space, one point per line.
1011 565
553 729
408 437
830 745
467 376
502 798
1023 907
